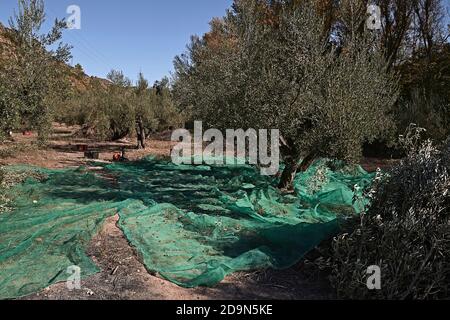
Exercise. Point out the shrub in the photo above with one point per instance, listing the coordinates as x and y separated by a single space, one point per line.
405 231
8 179
113 111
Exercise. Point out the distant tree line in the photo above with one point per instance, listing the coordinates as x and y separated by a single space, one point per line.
37 87
117 109
30 80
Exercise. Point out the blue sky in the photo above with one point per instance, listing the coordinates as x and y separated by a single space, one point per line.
133 35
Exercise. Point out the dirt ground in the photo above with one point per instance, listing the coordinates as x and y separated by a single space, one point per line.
63 149
122 274
124 277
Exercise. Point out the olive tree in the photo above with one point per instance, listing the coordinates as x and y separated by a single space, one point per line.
145 106
166 113
33 69
281 73
9 113
116 109
104 110
119 105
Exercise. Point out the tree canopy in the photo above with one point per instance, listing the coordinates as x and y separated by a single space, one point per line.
250 72
31 80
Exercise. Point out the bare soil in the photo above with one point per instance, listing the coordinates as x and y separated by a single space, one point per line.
122 275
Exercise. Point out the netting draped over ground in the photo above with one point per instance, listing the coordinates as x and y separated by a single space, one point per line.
193 225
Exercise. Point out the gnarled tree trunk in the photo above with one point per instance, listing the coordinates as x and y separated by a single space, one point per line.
288 175
291 169
140 130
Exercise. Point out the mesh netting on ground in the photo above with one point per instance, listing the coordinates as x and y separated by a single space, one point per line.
193 225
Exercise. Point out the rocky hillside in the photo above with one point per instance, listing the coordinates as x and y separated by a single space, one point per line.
77 77
6 44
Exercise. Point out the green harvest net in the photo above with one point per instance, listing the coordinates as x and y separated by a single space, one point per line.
193 225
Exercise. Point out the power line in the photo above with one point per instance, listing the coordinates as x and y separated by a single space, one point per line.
85 47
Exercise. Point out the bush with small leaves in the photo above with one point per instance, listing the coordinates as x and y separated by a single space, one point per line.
10 178
405 231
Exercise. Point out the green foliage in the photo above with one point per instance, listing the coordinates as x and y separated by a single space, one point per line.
326 100
32 76
145 105
104 112
425 98
118 79
79 69
405 231
112 111
166 113
9 114
12 150
118 106
10 178
4 199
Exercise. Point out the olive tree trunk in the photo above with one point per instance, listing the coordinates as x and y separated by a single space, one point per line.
140 130
290 171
